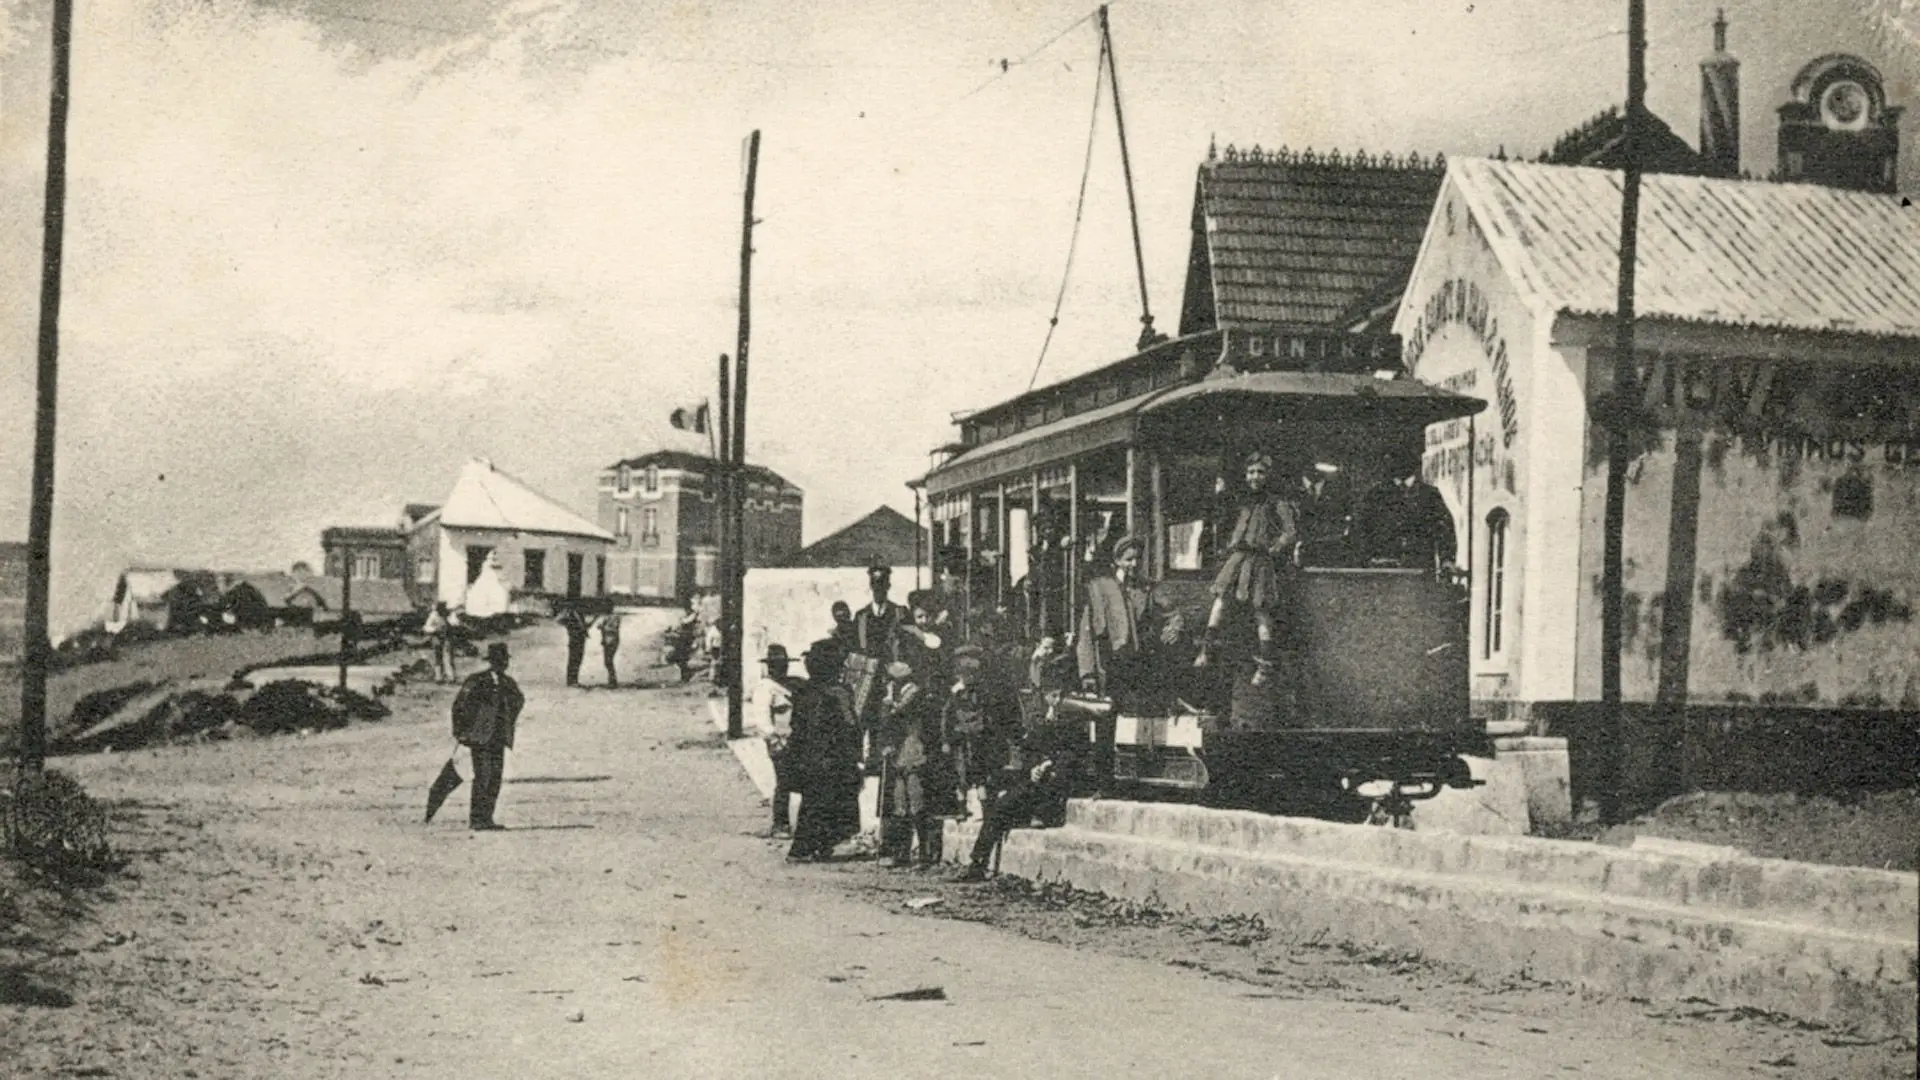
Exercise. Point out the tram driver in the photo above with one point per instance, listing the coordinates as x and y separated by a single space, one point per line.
1403 520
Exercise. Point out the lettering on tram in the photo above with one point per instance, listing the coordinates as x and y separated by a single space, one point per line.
1244 581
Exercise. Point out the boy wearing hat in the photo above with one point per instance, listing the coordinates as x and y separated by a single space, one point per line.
1119 627
484 714
906 815
773 718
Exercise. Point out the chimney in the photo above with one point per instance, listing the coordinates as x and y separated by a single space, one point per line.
1720 105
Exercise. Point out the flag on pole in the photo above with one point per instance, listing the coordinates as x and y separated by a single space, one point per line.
694 419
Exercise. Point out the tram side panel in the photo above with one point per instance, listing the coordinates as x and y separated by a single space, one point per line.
1380 650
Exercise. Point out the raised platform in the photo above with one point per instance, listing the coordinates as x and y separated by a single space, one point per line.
1832 945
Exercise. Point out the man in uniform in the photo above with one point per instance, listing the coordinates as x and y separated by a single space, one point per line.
484 714
1403 519
876 626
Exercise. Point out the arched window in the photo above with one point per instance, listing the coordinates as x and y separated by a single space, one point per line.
653 479
1493 639
624 480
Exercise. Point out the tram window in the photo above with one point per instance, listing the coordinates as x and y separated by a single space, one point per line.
1190 501
1496 581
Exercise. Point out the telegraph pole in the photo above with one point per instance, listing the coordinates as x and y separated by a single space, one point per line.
1622 408
38 643
723 521
736 504
346 613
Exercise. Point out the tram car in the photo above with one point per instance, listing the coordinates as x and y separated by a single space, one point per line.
1361 701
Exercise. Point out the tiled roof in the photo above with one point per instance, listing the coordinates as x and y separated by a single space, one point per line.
486 498
1300 238
885 537
371 596
1743 253
349 534
1601 143
698 463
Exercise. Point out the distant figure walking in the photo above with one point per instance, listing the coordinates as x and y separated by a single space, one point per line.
439 629
484 714
610 644
576 625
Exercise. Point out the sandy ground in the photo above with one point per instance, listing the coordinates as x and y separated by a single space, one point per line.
286 914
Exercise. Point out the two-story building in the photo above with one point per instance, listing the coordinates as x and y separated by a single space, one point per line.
662 511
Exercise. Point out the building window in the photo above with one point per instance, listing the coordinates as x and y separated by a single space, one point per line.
1496 598
653 479
536 578
650 526
620 523
1853 496
476 562
423 571
624 481
366 567
599 575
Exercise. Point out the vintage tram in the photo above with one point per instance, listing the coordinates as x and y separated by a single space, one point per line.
1371 693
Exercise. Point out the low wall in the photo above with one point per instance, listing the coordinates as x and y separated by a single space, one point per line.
793 606
1833 945
1655 755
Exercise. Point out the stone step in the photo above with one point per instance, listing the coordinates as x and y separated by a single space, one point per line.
1613 942
1858 899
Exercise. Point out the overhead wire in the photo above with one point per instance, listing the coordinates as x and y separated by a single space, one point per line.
1079 211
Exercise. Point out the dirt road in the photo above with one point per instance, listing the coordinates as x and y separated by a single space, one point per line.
291 917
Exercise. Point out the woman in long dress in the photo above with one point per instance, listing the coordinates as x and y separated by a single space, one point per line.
823 754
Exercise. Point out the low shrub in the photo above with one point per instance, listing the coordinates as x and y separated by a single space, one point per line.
295 705
50 819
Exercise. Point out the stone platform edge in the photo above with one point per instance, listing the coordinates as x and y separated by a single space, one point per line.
1829 945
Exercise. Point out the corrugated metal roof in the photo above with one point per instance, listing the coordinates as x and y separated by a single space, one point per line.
1735 252
1299 238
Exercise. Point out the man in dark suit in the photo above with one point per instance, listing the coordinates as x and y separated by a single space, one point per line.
576 624
876 626
1120 626
1403 520
484 713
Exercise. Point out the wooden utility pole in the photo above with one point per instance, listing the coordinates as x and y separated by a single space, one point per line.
1622 408
346 613
723 519
38 643
736 504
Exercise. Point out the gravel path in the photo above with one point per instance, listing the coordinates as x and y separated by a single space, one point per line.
287 915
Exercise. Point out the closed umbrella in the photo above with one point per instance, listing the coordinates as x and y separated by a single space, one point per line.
444 784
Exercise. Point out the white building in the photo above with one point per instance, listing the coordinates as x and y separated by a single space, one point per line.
497 544
1774 498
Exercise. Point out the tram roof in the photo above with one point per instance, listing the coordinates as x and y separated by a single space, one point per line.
1315 395
1320 395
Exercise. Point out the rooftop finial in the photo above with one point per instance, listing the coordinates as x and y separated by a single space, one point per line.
1719 29
1213 147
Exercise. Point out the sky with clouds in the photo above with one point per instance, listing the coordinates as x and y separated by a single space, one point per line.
320 252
